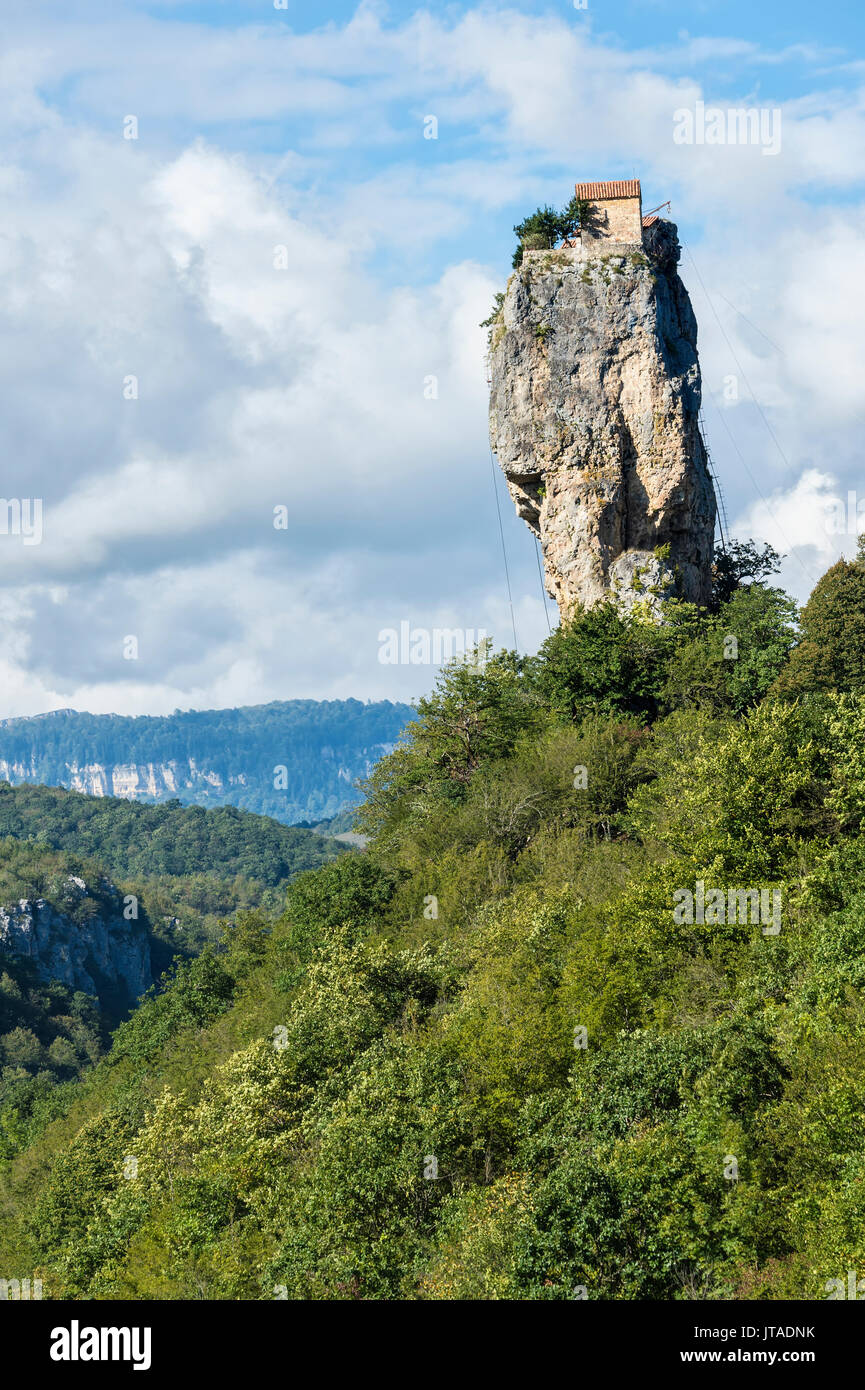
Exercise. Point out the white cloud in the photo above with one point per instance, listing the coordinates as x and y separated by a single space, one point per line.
813 524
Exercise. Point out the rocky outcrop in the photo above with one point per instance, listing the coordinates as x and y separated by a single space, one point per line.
81 938
147 781
595 396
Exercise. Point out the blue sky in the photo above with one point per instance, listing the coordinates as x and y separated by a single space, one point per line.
630 21
302 387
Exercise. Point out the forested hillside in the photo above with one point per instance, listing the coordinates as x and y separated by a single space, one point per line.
188 866
294 760
585 1021
184 868
131 839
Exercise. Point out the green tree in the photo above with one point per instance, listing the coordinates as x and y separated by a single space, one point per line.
738 562
828 655
734 655
545 226
62 1055
476 713
605 661
22 1048
353 893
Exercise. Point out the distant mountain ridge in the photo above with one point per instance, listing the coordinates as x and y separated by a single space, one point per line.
293 760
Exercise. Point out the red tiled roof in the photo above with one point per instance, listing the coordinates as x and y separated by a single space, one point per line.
617 188
650 220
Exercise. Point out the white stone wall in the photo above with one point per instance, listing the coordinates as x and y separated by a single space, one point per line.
589 250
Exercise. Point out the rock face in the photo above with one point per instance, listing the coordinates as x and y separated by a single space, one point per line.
147 781
82 939
595 396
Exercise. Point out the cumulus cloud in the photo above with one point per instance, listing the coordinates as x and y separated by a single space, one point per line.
812 524
270 372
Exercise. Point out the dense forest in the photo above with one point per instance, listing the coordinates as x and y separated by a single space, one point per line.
189 867
49 1033
188 870
294 760
585 1020
132 839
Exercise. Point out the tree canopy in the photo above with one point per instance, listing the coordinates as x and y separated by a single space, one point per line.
545 226
829 654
